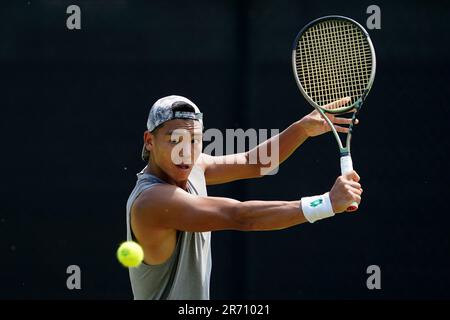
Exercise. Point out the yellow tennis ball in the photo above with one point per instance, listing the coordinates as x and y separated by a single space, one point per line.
130 254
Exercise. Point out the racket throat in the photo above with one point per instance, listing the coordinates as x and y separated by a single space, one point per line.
358 104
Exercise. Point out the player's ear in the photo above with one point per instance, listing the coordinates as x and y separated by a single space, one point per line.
149 140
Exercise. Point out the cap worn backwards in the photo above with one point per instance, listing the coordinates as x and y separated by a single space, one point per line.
165 109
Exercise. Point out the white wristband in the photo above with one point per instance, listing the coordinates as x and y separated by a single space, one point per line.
317 207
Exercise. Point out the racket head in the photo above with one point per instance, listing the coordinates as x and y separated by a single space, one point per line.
333 57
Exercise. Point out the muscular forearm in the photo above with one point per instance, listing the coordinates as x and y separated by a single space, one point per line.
268 215
288 141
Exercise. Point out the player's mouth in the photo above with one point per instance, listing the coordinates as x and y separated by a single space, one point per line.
183 166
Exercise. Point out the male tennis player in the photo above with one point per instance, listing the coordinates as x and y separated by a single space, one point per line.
171 216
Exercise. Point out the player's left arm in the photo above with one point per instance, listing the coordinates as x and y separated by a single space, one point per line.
245 165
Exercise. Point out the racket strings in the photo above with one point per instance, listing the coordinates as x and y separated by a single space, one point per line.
333 61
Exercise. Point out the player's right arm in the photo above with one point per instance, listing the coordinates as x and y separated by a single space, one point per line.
169 207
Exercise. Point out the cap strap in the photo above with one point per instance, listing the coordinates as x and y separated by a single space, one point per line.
187 115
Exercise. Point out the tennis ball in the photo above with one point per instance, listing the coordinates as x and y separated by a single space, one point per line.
130 254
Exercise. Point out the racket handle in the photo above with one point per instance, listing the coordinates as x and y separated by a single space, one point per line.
346 167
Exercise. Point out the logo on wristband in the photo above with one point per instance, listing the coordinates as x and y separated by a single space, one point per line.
316 203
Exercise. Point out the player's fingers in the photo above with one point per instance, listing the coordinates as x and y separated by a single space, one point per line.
355 190
338 103
354 184
340 120
356 197
341 129
356 176
352 175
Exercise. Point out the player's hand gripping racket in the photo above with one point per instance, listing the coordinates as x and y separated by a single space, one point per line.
333 58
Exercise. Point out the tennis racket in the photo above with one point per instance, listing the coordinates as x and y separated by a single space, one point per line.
333 58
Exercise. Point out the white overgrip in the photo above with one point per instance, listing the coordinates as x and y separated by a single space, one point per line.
346 164
346 167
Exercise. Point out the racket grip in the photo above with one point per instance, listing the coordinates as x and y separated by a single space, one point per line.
346 164
346 167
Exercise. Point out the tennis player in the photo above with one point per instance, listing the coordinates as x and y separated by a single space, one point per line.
170 215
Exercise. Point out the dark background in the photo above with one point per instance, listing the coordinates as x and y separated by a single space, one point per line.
74 106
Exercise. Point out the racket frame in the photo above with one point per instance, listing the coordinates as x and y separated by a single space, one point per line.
344 150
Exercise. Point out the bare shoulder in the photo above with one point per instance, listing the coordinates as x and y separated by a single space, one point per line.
148 209
155 201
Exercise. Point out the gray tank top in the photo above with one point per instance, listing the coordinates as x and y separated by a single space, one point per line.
186 274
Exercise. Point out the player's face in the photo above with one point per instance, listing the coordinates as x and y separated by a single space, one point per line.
177 146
